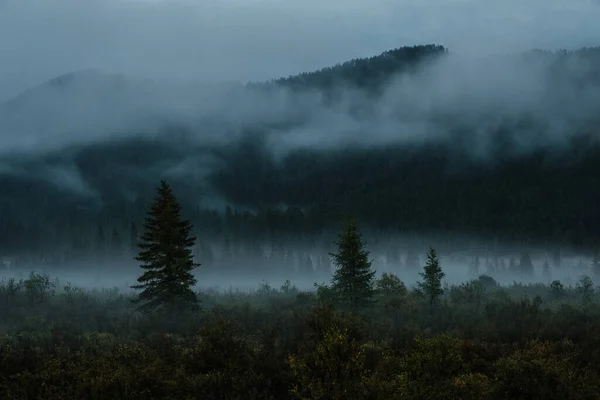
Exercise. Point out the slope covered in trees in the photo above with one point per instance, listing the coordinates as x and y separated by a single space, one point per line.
534 182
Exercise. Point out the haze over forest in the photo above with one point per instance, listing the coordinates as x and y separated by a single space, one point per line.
489 156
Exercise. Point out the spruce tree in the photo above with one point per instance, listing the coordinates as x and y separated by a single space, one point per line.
431 287
546 270
166 256
525 264
353 279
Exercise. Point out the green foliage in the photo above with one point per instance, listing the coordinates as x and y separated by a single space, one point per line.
325 293
471 293
289 344
436 359
541 370
431 286
487 282
390 285
353 279
37 287
333 370
367 73
265 288
166 256
391 291
585 287
288 288
557 289
73 294
11 287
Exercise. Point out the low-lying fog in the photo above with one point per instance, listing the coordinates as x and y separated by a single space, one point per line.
458 268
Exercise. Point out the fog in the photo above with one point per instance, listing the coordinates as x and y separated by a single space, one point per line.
216 40
456 272
151 65
464 260
482 93
76 75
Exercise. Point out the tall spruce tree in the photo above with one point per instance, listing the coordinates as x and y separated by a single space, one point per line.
353 279
166 256
431 286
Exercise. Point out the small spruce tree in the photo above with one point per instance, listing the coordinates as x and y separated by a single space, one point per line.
596 263
525 264
431 286
166 256
353 279
546 270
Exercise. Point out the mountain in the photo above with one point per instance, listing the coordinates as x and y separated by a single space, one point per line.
415 140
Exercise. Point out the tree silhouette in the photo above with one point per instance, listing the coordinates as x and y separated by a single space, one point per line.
525 264
166 256
431 286
353 279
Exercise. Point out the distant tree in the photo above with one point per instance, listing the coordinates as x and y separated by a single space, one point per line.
546 270
556 259
487 282
390 285
585 287
525 264
557 289
353 279
431 286
166 256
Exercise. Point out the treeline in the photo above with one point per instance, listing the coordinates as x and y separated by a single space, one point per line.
280 243
359 337
364 73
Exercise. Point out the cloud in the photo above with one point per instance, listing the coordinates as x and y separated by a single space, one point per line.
181 43
212 40
479 94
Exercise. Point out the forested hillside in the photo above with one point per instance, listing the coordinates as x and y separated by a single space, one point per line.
385 142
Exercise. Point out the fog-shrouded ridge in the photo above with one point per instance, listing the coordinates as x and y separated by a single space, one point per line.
537 101
216 40
81 155
480 93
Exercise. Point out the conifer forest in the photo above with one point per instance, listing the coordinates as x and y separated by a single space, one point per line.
417 224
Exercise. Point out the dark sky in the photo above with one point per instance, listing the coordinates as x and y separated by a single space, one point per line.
214 40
